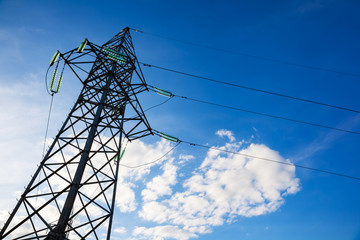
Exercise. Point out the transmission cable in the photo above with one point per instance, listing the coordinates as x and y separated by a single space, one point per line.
267 115
46 83
171 95
178 141
47 124
152 107
50 108
269 59
251 88
157 105
158 159
52 91
46 130
272 160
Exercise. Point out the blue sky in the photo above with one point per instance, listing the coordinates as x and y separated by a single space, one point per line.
306 205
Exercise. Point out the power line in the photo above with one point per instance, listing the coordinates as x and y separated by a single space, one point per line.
266 115
157 105
148 163
252 89
152 107
256 157
269 59
171 95
272 160
47 124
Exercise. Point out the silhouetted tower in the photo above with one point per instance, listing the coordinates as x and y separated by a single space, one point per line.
72 193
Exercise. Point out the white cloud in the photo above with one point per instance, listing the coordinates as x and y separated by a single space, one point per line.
125 197
160 185
162 232
225 187
224 132
184 158
120 230
138 153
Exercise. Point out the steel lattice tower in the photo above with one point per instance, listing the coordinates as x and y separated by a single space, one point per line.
72 193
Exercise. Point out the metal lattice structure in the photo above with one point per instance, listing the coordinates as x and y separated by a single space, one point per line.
72 193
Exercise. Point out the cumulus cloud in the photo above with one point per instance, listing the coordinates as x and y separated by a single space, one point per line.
184 158
226 133
120 230
226 186
125 198
162 232
160 185
138 153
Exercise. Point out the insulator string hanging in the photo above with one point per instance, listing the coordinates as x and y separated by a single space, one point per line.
82 46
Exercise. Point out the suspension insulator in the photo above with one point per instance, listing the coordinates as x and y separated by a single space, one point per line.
59 83
117 158
163 92
82 46
53 80
169 137
54 58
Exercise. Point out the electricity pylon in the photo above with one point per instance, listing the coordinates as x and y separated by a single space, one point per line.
72 193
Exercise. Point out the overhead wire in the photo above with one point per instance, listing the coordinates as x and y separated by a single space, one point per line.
148 163
51 93
257 157
266 115
50 108
157 105
154 106
46 130
269 59
172 95
46 83
178 141
253 112
252 88
272 160
48 123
